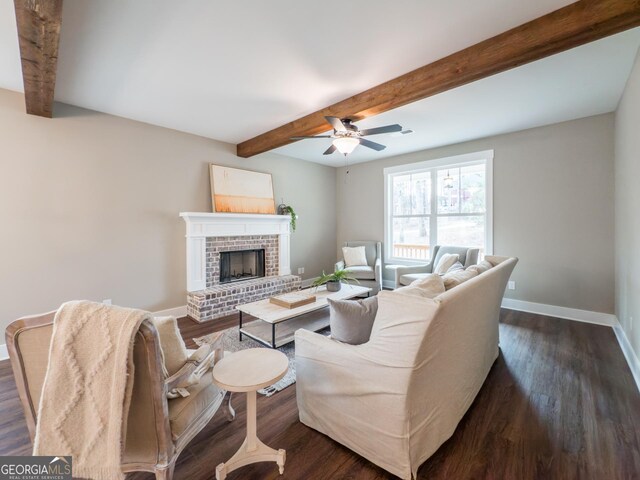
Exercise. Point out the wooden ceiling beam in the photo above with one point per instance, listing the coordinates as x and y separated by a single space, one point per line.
576 24
39 35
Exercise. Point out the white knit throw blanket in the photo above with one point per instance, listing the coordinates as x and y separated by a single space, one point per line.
87 389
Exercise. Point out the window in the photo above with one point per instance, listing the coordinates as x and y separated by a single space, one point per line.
438 202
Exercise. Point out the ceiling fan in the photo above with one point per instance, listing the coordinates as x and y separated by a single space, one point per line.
347 136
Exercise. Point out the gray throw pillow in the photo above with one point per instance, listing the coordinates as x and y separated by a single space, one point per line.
351 320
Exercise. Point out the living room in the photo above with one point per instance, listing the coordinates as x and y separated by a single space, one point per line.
507 144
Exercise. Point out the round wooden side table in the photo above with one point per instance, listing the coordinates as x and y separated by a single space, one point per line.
249 371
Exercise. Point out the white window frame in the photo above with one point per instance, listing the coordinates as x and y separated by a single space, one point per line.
452 162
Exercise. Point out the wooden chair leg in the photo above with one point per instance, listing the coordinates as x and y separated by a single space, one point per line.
166 473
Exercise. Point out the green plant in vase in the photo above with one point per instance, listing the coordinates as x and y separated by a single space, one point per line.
288 210
334 280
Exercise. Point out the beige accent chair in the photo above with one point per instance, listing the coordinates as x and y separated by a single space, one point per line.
407 275
371 274
397 398
158 429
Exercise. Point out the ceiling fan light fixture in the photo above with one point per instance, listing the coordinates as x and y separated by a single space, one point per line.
346 145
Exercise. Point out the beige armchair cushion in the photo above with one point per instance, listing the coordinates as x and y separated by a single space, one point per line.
176 355
173 348
361 272
185 411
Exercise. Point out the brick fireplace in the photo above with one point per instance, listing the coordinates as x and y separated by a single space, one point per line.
214 236
217 246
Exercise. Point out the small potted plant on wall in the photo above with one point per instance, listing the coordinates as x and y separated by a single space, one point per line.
335 280
288 210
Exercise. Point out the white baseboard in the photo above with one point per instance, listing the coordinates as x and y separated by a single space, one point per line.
4 353
308 282
172 312
629 354
586 316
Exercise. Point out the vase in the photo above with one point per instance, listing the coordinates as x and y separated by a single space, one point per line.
333 286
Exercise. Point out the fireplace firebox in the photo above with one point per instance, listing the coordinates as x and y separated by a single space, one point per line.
241 265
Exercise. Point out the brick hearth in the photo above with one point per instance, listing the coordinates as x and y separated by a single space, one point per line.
220 300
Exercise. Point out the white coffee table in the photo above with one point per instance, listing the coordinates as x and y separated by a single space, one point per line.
249 371
263 330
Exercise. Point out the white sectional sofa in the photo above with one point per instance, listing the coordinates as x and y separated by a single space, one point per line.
396 399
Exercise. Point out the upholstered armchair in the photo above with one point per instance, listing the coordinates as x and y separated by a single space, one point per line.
405 275
369 275
158 428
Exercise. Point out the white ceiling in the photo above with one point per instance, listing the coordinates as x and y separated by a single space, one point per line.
232 70
585 81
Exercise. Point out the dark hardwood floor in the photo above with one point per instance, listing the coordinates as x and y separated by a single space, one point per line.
559 403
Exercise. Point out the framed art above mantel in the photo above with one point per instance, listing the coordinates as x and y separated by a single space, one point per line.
234 190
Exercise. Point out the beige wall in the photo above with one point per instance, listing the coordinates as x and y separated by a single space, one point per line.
627 167
89 208
553 208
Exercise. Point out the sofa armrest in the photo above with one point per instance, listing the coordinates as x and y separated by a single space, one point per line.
402 270
339 265
334 375
343 363
378 270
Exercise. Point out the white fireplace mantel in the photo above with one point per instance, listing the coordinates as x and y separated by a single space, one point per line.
203 225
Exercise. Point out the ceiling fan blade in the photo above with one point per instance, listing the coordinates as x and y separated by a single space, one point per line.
336 123
330 150
379 130
369 144
318 136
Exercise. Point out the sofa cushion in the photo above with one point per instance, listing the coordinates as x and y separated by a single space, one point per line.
482 267
409 278
455 267
455 278
351 320
361 272
430 286
173 348
204 397
354 256
446 262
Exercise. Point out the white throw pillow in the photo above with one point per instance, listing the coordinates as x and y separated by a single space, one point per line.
429 287
446 262
354 256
